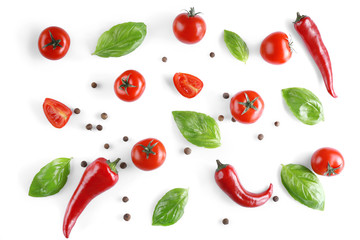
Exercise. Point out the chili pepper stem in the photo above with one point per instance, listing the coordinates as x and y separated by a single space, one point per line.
220 165
299 17
113 164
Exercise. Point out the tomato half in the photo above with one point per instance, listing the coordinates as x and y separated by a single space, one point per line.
189 27
129 86
327 161
53 43
188 85
148 154
275 48
56 112
246 106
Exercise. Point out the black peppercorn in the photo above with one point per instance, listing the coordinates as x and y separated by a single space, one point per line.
123 165
221 118
212 54
89 126
277 123
261 136
226 95
125 139
93 84
275 198
164 59
233 119
99 127
106 146
76 110
104 116
225 221
125 199
127 217
187 150
83 164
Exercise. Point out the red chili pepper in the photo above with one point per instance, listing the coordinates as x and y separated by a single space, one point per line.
309 32
98 177
227 179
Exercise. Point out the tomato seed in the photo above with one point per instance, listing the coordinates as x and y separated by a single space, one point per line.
226 95
187 150
261 136
212 54
164 59
83 164
125 199
221 118
76 110
225 221
123 165
99 127
89 126
104 116
106 146
93 84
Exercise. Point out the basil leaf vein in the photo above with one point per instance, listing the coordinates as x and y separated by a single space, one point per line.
236 46
304 104
170 208
51 178
198 128
121 39
303 185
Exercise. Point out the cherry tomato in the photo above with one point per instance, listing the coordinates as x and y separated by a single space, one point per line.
53 43
129 86
327 161
276 48
56 112
188 85
148 154
189 27
246 106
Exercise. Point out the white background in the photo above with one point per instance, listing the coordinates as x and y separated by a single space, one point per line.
28 141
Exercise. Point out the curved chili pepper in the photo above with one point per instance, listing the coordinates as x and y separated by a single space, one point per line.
227 179
98 177
309 32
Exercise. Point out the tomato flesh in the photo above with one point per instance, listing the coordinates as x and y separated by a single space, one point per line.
56 112
188 85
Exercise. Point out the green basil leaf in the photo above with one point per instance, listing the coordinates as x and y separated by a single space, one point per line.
303 185
198 128
236 46
170 207
51 178
304 105
121 39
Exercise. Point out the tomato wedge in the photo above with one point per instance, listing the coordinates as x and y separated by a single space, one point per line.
188 85
56 112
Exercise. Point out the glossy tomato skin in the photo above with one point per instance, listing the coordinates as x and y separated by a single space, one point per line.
327 162
188 85
148 154
53 43
246 106
56 112
129 86
275 48
189 27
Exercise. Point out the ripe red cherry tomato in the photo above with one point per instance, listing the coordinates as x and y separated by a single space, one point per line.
246 106
189 27
129 86
327 162
148 154
188 85
53 43
56 112
276 48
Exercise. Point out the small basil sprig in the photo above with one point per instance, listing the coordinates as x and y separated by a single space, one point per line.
304 105
198 128
51 178
303 185
170 208
236 46
121 39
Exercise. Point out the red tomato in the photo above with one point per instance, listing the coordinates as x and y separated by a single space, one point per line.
275 48
188 85
246 106
129 86
148 154
189 27
53 43
57 113
327 161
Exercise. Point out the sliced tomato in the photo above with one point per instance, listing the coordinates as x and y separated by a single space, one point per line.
188 85
56 112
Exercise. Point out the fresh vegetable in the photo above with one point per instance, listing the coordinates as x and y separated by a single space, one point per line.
121 39
236 46
148 154
303 185
247 106
276 48
129 86
170 208
198 128
53 43
188 85
56 112
98 177
327 162
51 178
310 34
227 179
304 105
189 27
